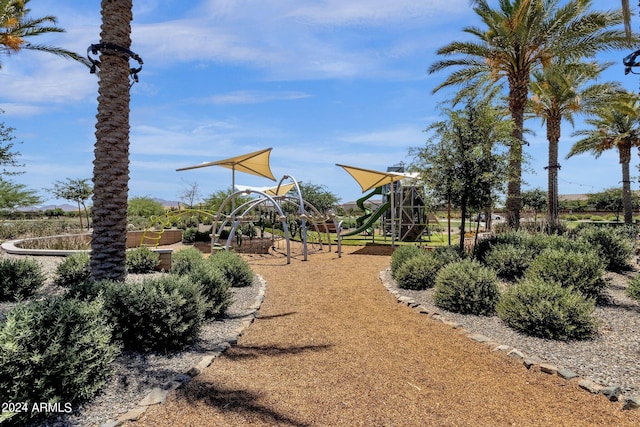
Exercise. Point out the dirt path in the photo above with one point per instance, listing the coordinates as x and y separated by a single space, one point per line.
331 347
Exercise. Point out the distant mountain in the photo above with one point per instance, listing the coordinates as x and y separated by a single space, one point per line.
65 207
167 203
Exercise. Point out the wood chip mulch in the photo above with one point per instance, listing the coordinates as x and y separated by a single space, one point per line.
331 347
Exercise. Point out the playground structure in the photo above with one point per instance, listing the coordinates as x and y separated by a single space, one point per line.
402 214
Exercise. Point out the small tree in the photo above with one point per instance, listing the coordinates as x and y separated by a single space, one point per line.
74 190
611 200
535 200
190 194
7 156
13 196
318 196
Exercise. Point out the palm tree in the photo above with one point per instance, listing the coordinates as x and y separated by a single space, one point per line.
518 37
16 26
614 125
558 92
111 164
626 13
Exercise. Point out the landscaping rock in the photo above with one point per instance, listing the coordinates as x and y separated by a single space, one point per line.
612 392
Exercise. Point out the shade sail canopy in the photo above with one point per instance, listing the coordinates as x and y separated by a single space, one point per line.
256 163
271 191
369 179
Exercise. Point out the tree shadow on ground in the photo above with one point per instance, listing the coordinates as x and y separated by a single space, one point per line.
241 402
273 316
239 352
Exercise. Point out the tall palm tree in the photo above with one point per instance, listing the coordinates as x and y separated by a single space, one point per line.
516 38
626 13
111 164
16 26
558 92
614 125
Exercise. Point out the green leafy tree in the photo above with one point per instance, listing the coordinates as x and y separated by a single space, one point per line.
145 207
616 124
13 196
535 200
8 157
460 162
16 26
214 201
318 196
558 92
74 190
111 163
515 39
612 200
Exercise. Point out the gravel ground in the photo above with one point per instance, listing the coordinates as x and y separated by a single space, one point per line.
137 373
611 358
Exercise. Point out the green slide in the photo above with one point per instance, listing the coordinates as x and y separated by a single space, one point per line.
370 219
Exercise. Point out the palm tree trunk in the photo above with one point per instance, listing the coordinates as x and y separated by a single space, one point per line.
553 136
518 92
625 159
111 164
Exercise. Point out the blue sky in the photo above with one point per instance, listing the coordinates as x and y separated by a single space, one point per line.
320 81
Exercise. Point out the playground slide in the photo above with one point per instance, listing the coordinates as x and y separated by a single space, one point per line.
370 220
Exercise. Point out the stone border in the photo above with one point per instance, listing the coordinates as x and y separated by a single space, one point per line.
611 392
158 395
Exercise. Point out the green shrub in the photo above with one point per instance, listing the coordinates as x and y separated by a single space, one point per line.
19 278
466 287
74 269
484 246
158 314
545 309
633 288
402 254
142 260
418 272
215 288
582 271
508 260
446 254
54 350
189 235
234 267
185 260
613 244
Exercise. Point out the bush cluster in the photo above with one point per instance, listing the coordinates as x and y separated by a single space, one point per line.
418 272
54 350
401 254
73 269
234 267
142 260
215 287
509 261
466 287
185 260
548 310
19 278
614 245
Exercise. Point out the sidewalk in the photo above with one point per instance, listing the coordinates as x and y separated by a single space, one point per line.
331 347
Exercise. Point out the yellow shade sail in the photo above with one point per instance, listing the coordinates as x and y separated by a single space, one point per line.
256 163
369 179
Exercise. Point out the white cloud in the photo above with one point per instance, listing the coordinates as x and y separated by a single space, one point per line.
256 97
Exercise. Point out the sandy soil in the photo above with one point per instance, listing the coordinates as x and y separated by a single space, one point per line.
331 347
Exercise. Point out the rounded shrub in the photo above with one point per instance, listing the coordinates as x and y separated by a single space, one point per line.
546 309
185 260
613 244
157 314
215 288
484 246
418 272
19 278
509 261
73 269
233 266
446 254
466 287
582 271
189 235
402 254
54 350
142 260
633 288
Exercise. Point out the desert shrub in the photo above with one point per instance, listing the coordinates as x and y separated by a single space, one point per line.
142 260
633 288
546 309
418 272
446 254
189 235
484 246
234 267
54 350
613 244
73 269
509 261
19 278
466 287
582 271
215 288
185 260
158 314
402 254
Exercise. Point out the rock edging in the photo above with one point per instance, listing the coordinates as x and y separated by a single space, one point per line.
159 394
612 392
